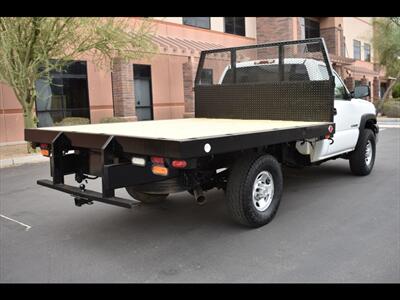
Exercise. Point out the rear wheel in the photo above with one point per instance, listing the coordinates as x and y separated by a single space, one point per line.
147 198
254 190
362 159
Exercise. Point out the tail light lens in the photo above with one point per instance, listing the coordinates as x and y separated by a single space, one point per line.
159 170
45 149
157 160
179 164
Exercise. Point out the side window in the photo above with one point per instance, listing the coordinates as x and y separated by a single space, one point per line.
206 77
340 90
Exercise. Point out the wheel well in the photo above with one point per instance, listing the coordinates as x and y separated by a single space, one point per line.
370 124
369 121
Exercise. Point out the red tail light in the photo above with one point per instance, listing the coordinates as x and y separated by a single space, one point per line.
45 149
157 160
179 164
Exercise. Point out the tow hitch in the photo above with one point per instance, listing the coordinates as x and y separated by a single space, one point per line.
79 201
86 196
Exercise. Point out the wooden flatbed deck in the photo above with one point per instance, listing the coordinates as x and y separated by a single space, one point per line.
183 138
184 129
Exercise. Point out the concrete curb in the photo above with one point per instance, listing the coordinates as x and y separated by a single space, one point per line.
388 119
17 161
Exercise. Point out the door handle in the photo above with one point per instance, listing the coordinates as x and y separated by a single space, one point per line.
138 102
334 111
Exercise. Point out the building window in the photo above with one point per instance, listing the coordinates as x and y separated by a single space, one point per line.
311 28
206 77
66 95
356 49
235 25
367 52
202 22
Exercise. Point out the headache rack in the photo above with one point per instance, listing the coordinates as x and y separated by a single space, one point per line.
286 96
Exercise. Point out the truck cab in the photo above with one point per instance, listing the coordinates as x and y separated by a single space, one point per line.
351 112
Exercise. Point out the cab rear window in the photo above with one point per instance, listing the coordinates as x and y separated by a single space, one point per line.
267 73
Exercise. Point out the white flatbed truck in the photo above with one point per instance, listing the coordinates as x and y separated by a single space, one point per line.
271 105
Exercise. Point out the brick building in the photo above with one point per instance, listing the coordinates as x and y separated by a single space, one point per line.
160 87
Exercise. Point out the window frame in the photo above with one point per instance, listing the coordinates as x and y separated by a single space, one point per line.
307 22
354 49
185 19
63 75
234 26
347 94
369 52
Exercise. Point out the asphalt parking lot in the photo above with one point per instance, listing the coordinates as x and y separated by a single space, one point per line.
331 227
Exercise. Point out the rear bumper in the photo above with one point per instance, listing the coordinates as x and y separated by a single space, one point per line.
86 196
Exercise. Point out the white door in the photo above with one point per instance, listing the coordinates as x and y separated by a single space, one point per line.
143 95
347 120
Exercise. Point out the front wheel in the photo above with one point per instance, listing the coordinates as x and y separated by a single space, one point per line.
254 190
362 159
146 197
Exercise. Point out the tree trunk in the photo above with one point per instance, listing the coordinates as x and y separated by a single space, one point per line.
387 93
30 121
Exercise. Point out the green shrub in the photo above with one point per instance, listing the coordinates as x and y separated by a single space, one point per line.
112 120
72 121
396 91
391 109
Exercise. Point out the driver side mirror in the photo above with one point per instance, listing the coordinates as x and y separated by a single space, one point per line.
361 91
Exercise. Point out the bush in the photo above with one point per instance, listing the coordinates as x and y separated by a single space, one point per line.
396 91
112 120
72 121
391 109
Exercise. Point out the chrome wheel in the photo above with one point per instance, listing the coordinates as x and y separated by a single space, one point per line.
368 153
263 190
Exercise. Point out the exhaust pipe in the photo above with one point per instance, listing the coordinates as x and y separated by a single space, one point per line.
199 196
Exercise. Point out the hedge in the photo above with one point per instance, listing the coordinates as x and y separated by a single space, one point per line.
112 120
72 121
391 108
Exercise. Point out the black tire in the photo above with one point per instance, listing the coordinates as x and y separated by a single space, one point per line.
239 192
358 162
146 197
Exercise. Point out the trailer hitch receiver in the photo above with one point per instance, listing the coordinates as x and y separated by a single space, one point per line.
79 201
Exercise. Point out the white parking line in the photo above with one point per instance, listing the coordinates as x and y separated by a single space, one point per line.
388 126
27 227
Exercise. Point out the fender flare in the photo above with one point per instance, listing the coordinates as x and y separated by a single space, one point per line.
369 118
